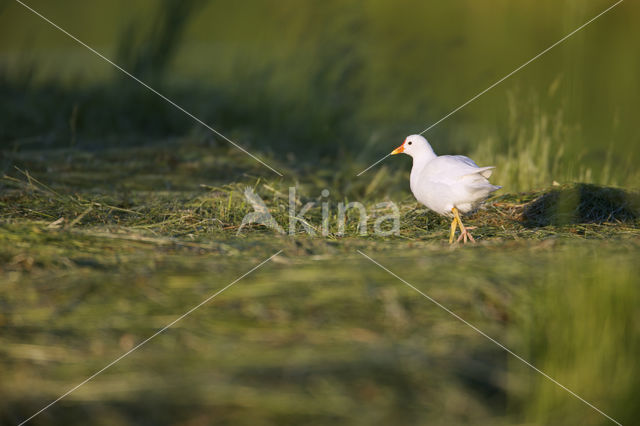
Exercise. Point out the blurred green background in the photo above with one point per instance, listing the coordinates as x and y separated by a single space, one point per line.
336 79
151 202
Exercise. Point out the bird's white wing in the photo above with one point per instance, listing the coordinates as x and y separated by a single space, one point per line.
462 159
449 168
485 172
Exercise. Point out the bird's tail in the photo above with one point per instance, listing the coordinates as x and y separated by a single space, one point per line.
485 172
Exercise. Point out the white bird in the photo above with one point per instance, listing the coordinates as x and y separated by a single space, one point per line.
447 184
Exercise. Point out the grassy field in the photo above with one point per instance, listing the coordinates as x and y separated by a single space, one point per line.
118 214
100 249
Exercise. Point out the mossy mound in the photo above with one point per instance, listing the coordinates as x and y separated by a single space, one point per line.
582 203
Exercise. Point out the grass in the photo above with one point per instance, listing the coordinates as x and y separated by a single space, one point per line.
542 151
338 82
117 215
95 258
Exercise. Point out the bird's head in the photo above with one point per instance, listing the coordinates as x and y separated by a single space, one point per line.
412 146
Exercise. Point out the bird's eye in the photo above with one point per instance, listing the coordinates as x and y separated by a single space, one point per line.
409 143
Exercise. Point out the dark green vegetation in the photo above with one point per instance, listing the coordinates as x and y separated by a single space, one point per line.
95 259
341 80
118 214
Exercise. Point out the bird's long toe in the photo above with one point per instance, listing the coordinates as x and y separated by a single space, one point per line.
466 236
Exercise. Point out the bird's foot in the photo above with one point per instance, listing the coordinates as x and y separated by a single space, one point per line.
465 235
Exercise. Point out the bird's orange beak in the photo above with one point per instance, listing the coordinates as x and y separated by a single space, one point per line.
398 150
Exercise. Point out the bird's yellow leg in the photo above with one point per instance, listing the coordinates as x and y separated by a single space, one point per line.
454 225
456 217
464 234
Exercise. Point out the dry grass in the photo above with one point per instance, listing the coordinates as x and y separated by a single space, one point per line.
94 257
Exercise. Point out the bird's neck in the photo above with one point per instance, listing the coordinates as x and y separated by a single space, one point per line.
419 163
